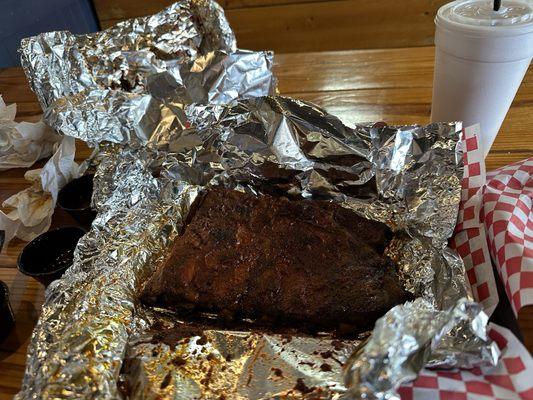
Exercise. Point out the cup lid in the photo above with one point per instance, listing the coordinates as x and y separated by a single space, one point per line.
480 12
479 15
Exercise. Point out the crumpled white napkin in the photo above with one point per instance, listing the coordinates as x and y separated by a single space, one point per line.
32 208
22 144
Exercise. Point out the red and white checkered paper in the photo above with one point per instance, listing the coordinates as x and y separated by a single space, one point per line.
495 224
508 218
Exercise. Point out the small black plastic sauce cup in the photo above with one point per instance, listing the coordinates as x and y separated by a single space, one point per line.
48 256
75 198
7 320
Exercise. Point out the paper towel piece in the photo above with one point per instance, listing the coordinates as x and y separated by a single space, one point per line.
22 144
32 208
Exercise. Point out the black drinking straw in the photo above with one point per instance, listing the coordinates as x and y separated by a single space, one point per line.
497 4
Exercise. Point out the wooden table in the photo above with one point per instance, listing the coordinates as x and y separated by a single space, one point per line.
393 85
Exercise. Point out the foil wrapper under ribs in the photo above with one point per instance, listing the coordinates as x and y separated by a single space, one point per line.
293 147
197 361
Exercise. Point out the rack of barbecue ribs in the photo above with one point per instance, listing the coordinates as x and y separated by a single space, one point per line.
301 263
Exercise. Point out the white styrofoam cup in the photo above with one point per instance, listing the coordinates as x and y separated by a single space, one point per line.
481 57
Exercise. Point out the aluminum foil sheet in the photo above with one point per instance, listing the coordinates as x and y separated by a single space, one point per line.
121 116
192 361
92 327
414 335
59 64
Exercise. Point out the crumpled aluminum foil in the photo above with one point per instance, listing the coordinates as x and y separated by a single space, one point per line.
157 112
120 116
177 360
140 71
60 63
91 318
414 335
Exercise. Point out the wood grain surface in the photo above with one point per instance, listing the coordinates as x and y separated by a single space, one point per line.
289 26
392 85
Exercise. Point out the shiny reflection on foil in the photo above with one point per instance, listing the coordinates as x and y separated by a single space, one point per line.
413 335
178 360
60 63
120 116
